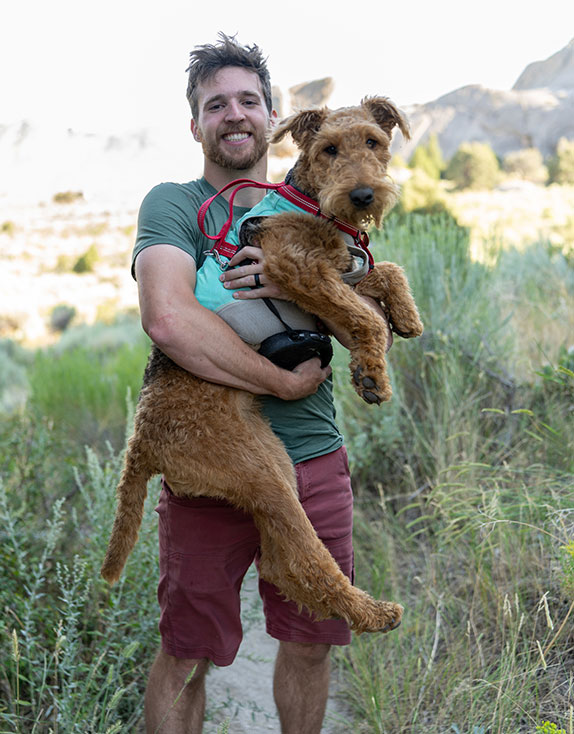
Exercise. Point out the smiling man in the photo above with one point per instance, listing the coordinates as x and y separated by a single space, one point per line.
206 546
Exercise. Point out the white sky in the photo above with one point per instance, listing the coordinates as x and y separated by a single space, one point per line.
113 65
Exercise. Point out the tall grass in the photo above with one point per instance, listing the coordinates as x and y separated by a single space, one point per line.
74 652
80 383
464 512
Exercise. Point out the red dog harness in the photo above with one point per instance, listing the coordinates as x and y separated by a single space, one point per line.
228 249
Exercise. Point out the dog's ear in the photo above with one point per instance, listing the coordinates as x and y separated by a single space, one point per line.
301 125
386 115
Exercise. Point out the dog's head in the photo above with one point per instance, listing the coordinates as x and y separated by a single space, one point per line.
344 155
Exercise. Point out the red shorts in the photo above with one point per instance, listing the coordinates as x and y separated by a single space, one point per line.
206 547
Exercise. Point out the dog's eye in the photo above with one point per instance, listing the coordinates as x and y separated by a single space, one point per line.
371 143
331 150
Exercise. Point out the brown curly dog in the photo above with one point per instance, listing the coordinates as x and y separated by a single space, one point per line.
180 418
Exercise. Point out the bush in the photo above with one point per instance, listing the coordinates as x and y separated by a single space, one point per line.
72 651
67 197
87 262
527 164
8 227
422 193
61 317
474 166
561 166
428 158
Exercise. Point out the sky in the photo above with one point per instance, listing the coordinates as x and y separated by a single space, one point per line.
117 65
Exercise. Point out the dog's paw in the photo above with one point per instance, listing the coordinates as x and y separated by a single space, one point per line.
368 389
408 328
384 617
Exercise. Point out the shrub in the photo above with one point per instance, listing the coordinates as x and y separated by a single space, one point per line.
61 317
87 262
8 227
422 193
67 197
527 164
561 165
428 158
474 166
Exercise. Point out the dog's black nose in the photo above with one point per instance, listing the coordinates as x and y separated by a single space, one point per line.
362 197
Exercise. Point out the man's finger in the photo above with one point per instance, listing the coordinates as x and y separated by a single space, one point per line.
246 253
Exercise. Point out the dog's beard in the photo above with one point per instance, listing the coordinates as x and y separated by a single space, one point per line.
337 200
236 160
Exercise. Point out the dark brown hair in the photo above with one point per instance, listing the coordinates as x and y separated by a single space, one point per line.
206 60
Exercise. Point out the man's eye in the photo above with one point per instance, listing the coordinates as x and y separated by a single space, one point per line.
331 150
371 143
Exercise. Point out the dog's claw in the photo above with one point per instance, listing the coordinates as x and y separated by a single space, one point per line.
370 397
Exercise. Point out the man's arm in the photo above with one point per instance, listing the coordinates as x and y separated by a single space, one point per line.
201 342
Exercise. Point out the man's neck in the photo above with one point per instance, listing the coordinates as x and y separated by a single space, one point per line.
218 177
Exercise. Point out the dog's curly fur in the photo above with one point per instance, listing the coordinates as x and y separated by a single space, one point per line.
180 418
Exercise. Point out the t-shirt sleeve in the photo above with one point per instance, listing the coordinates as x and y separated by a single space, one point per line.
168 216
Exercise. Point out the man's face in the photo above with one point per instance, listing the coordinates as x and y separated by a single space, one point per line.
233 120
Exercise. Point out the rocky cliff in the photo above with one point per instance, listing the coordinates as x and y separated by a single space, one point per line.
537 112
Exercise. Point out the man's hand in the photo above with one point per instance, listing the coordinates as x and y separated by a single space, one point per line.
304 380
250 276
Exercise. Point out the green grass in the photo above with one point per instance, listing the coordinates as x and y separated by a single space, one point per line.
464 511
465 507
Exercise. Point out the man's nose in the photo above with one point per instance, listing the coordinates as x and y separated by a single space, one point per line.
235 111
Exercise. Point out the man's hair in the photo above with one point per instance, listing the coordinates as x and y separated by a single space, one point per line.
207 60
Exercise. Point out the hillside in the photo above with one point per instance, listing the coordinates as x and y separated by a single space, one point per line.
536 112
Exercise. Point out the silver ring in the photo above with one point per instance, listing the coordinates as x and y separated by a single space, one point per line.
257 280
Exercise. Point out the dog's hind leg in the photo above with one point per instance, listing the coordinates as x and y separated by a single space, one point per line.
251 469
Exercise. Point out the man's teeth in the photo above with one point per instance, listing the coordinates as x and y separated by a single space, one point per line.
235 137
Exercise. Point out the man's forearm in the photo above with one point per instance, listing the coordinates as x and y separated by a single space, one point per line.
203 344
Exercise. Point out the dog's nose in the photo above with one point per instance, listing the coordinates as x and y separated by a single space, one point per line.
362 196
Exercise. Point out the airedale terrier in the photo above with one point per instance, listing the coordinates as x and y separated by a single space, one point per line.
344 155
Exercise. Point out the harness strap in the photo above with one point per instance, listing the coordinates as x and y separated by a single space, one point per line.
288 192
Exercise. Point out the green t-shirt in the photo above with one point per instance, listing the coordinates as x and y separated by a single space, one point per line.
168 216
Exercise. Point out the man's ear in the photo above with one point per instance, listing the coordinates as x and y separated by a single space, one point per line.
387 115
195 131
301 125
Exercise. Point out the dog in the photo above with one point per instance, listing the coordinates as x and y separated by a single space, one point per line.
342 165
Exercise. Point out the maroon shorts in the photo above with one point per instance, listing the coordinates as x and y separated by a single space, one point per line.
206 547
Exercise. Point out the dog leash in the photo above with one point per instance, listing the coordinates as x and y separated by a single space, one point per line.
287 191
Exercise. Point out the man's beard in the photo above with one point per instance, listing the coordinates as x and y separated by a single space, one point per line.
213 152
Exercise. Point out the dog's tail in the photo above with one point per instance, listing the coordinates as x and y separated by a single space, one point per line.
131 493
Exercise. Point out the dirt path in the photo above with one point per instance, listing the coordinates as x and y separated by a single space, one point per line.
241 694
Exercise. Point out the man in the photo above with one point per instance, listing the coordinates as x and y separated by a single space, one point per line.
206 546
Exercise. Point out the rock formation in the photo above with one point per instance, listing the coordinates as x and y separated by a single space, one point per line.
537 112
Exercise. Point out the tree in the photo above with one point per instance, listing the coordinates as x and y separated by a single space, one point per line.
561 166
428 158
422 193
474 166
527 164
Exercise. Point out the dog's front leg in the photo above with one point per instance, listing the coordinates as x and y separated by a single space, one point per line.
305 257
388 284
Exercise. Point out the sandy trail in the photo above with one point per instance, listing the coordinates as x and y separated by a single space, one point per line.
242 693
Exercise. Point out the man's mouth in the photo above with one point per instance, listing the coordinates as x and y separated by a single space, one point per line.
236 137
